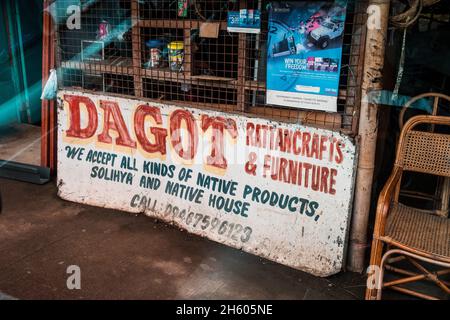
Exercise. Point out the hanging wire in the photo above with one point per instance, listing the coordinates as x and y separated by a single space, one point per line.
403 21
398 81
410 16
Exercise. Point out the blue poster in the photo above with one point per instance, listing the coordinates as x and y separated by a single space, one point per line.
305 53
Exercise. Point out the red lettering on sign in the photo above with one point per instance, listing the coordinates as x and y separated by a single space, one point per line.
175 133
250 134
218 125
295 143
340 156
306 138
75 130
323 147
118 124
160 134
333 175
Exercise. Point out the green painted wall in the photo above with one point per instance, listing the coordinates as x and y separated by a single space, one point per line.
21 83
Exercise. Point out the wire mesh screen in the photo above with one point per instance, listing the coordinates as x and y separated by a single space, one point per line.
180 52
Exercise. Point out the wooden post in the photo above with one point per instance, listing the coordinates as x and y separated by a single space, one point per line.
242 65
48 108
45 74
53 119
137 50
378 11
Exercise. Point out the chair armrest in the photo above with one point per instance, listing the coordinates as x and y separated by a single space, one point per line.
384 200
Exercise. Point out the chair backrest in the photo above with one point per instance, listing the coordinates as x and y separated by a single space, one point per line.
426 152
436 98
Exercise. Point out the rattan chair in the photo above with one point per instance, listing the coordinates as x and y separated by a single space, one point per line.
441 194
412 234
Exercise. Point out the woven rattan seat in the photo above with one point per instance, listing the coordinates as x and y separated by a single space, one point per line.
419 229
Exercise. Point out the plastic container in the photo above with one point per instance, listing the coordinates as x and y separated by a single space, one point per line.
182 8
176 55
103 30
156 47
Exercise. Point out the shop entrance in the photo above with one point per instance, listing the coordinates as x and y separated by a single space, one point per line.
20 83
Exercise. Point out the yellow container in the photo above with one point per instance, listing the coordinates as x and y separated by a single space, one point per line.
176 55
176 45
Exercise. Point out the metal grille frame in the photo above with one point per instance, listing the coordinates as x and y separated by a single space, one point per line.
223 74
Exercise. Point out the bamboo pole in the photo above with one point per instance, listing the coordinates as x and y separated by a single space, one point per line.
368 129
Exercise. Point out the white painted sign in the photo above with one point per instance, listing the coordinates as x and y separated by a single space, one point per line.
280 191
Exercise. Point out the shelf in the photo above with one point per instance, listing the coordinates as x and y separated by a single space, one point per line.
121 66
181 77
165 74
175 24
124 66
212 78
255 85
205 106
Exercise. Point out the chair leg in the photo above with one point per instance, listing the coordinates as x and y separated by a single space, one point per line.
384 260
432 276
373 284
426 275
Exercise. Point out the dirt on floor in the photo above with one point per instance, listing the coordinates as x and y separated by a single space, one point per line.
125 256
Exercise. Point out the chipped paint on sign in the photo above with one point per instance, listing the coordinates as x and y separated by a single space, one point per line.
280 191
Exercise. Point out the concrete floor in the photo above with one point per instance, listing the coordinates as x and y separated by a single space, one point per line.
125 256
21 143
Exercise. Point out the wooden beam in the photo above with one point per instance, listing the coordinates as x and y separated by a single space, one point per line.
53 119
137 50
175 24
45 74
